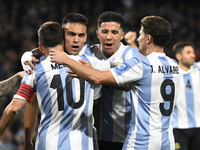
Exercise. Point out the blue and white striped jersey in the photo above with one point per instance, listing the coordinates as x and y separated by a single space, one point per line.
186 111
115 104
154 80
66 105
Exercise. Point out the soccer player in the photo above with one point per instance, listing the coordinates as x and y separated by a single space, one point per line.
154 81
186 115
115 104
6 86
75 27
65 102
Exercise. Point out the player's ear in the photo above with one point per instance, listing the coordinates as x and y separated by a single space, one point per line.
178 56
85 37
41 47
149 38
122 36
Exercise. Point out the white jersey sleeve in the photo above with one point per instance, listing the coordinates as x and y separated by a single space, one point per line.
26 89
128 71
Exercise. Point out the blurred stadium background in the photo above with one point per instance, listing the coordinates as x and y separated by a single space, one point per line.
20 20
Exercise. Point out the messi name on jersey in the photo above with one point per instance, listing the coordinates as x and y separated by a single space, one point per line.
57 66
165 69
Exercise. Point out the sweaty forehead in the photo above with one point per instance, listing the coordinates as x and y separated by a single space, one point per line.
110 26
75 27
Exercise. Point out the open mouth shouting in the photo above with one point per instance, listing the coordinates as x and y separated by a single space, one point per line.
75 47
108 45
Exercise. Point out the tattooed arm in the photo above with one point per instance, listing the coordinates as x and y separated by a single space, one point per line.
8 85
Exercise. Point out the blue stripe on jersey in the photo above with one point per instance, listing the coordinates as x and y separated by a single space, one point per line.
85 58
24 79
84 120
107 110
166 119
135 53
41 85
145 95
63 139
189 100
125 53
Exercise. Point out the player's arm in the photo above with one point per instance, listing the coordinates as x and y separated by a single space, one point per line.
124 87
10 113
30 120
8 85
130 39
88 73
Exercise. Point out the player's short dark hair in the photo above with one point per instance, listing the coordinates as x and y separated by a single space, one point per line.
158 28
75 18
178 47
50 34
110 16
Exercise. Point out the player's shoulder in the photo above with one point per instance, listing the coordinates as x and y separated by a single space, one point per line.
196 65
90 50
129 47
172 60
76 57
127 52
134 50
42 61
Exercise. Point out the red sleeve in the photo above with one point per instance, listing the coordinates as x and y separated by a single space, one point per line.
26 91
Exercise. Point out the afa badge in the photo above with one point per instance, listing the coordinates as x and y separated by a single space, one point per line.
122 67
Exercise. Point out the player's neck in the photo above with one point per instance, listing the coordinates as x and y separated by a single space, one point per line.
184 67
154 48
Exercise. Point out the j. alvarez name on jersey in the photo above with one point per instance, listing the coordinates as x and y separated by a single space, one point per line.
165 69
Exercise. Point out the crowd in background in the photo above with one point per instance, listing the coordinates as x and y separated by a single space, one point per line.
20 20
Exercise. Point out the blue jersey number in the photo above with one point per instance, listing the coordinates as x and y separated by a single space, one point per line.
167 91
56 83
